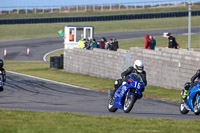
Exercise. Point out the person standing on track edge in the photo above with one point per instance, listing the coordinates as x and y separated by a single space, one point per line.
137 68
2 72
172 41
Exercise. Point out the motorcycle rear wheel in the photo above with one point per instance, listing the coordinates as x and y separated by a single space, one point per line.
129 102
110 106
182 108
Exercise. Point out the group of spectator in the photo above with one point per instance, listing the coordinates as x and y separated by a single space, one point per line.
89 44
150 42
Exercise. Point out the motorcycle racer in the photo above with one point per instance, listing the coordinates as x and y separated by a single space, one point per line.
190 84
137 68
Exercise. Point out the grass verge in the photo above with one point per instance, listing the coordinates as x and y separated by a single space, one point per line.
13 32
15 121
42 70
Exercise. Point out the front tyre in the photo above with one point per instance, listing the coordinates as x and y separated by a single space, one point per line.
1 89
197 108
110 106
129 102
182 108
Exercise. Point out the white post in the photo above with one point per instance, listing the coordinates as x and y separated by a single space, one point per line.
110 7
85 8
8 11
51 9
189 25
60 9
126 6
43 10
93 8
26 10
76 8
17 10
101 8
143 5
135 5
119 6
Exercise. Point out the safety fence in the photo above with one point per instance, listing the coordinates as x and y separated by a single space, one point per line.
95 8
99 18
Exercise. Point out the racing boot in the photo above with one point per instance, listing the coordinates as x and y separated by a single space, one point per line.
186 89
184 97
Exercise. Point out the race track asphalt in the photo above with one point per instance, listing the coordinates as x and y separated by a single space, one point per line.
23 92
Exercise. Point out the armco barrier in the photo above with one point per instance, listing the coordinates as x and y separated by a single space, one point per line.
99 18
169 68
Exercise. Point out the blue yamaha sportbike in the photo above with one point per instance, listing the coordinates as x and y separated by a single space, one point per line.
193 100
126 95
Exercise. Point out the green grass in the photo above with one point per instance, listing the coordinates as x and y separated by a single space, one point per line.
146 10
42 70
12 32
15 121
56 53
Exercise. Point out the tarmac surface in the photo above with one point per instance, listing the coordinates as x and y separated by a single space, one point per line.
30 93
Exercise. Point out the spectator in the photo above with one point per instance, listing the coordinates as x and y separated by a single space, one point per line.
107 45
87 44
98 44
153 42
115 45
81 43
102 44
95 45
172 41
147 43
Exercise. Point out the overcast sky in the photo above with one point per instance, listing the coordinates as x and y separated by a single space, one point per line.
4 3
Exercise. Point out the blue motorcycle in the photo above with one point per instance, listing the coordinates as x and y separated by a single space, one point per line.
192 103
126 95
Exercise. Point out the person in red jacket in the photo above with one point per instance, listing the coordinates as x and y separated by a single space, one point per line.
147 43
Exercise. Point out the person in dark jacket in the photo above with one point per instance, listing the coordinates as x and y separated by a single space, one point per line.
147 43
172 41
2 72
137 68
190 84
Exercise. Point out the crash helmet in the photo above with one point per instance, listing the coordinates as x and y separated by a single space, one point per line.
1 63
138 66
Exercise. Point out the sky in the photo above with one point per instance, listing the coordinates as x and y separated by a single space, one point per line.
6 3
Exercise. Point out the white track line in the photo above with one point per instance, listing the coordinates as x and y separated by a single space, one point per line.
47 80
44 57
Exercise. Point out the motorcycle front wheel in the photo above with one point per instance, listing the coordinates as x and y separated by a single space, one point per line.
129 102
182 108
197 108
110 106
1 88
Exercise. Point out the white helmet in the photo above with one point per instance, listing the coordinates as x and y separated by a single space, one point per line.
139 66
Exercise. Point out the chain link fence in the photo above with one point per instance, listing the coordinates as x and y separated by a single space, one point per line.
95 8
